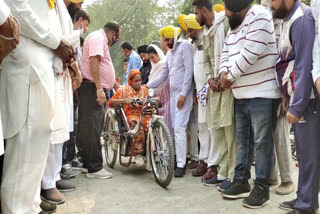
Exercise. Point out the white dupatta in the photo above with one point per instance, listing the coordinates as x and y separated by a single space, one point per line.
156 68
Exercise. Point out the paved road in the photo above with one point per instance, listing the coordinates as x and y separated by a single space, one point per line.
133 190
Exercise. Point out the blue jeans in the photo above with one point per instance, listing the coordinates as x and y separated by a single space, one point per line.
254 130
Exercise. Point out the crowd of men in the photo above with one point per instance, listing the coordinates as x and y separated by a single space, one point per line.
236 77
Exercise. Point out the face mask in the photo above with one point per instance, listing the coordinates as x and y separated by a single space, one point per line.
81 30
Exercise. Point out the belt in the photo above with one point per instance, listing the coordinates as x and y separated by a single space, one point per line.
200 47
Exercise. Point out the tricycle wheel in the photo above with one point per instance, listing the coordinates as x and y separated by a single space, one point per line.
161 153
110 143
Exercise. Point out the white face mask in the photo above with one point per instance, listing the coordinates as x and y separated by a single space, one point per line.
81 30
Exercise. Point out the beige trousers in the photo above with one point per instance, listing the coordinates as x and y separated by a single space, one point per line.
225 139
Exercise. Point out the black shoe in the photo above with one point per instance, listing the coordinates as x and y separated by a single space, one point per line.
288 205
238 189
179 173
296 211
64 186
48 207
259 197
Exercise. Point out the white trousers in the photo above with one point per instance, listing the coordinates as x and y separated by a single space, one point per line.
204 138
180 135
26 156
54 164
214 154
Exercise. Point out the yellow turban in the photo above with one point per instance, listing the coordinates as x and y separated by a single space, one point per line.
76 1
181 22
218 8
168 32
191 22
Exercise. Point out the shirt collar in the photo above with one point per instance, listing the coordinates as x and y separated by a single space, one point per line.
293 10
104 35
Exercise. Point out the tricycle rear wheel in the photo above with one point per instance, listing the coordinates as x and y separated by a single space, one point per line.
110 143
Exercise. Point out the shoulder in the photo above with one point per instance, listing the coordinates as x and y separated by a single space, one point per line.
259 13
185 44
304 18
95 35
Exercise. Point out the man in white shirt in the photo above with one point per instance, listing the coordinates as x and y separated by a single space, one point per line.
27 100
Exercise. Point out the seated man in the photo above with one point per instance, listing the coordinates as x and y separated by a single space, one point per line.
124 97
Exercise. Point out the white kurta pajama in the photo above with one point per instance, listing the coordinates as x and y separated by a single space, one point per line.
62 124
200 80
179 69
27 99
4 14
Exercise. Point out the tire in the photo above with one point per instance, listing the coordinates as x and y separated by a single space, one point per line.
109 143
162 163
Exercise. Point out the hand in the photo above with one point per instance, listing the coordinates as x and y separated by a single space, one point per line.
195 99
127 101
65 52
9 29
284 106
180 102
101 97
291 118
318 85
224 81
214 85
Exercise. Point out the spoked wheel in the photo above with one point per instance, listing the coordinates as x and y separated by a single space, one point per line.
110 143
162 153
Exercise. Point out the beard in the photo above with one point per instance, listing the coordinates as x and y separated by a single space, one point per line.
281 12
170 45
235 21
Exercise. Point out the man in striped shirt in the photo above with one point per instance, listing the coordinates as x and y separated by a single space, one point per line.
248 67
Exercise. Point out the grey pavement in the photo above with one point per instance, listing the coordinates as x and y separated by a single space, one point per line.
133 190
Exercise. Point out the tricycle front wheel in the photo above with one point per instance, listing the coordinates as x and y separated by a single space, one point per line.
161 153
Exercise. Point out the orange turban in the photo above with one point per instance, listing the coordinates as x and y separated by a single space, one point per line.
132 74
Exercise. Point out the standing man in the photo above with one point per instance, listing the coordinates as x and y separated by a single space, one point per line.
27 107
315 7
248 67
98 78
10 29
146 67
135 61
195 32
295 76
179 69
220 111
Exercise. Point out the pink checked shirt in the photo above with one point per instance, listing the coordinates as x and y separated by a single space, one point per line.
96 44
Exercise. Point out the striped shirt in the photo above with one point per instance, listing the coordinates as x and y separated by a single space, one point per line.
250 54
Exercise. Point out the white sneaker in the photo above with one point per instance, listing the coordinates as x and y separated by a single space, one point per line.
84 170
102 174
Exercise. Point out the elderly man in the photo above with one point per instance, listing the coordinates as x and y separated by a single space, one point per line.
135 61
248 67
27 100
297 35
98 77
179 69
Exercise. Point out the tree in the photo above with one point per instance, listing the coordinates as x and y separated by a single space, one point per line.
137 18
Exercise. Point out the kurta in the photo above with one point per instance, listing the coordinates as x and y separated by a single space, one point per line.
220 108
179 69
4 14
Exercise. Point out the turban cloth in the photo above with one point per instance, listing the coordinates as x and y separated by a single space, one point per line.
168 32
76 1
237 5
132 74
51 3
142 49
181 22
218 8
191 22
